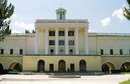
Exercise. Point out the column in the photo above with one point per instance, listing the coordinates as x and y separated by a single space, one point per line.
36 41
66 41
86 41
16 47
56 40
76 41
7 48
46 43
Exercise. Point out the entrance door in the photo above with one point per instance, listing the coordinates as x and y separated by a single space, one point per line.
61 66
41 66
51 67
72 67
82 65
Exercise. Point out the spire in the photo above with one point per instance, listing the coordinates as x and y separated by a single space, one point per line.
61 14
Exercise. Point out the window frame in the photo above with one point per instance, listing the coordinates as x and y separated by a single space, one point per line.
61 33
52 42
1 51
51 33
60 42
11 51
69 33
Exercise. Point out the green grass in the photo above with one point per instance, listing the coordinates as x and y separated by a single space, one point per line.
125 72
125 82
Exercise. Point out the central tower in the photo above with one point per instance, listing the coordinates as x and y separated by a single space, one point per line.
61 14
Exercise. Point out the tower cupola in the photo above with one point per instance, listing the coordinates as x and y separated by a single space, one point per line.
61 14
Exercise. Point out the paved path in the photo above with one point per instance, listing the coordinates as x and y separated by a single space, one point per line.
105 79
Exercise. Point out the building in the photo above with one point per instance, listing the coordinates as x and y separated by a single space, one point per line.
61 44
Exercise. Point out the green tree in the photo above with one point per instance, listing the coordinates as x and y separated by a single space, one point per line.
26 31
126 11
6 12
33 31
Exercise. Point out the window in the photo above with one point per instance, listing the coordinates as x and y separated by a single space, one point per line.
71 33
51 33
51 42
71 51
61 51
101 51
61 42
21 51
11 51
129 51
71 42
51 51
121 51
61 33
2 51
111 51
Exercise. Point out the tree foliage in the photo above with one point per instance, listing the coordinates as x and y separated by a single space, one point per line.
6 12
126 11
27 31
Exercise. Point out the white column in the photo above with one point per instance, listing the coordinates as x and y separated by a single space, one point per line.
7 48
36 41
46 43
86 41
66 41
56 40
76 41
16 47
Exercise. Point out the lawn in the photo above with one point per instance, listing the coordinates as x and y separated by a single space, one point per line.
125 82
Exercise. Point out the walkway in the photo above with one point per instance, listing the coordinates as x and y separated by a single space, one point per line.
43 79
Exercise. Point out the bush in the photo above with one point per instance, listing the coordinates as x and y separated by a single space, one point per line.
125 82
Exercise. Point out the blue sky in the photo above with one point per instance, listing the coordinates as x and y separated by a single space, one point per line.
105 16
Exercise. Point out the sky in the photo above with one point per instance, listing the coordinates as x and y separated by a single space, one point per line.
104 16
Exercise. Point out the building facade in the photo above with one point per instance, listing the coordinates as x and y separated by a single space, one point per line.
61 44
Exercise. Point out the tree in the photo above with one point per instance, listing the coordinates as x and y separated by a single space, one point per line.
26 31
6 12
33 31
126 11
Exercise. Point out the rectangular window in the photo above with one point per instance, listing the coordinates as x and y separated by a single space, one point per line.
61 33
121 51
61 42
51 33
61 51
51 51
101 51
71 51
71 33
71 42
51 42
21 51
111 51
2 51
11 51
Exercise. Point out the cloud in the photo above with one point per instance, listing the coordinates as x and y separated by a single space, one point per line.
118 14
92 30
24 25
106 21
15 31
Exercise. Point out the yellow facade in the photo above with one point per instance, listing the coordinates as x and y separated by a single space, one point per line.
89 52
